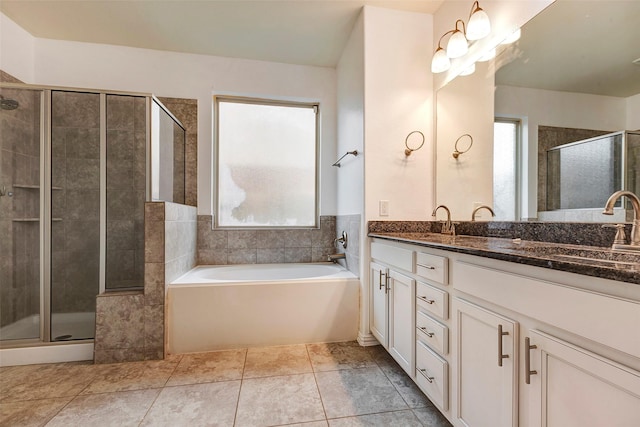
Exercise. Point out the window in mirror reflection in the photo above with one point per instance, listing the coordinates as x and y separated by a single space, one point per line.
506 142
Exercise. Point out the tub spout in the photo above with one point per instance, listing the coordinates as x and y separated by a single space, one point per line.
335 257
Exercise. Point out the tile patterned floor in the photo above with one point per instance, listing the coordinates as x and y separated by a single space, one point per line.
315 385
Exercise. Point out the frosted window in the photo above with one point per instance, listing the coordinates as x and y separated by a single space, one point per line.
504 170
266 164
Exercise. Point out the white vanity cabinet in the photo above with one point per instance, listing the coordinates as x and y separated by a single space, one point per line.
561 382
392 294
502 344
573 387
378 303
487 367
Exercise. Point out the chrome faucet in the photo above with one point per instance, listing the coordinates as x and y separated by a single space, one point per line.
635 229
447 227
473 214
335 257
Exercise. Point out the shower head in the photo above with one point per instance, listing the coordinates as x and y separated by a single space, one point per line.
8 104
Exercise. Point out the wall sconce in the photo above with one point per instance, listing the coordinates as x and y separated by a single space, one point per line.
456 151
477 28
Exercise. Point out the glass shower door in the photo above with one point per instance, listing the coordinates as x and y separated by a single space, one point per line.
75 213
20 225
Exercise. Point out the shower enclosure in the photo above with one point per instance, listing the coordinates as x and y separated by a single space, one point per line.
75 172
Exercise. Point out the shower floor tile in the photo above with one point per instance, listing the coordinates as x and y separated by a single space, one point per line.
313 385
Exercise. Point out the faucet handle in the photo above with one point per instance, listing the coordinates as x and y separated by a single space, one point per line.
621 236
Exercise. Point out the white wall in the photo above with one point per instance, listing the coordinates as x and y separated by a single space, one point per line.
173 74
551 108
350 95
398 100
16 50
633 112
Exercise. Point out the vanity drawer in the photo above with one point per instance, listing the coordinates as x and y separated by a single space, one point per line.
432 267
432 332
433 300
392 255
432 375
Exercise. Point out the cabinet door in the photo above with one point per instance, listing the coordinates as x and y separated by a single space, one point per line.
574 387
487 367
378 306
402 321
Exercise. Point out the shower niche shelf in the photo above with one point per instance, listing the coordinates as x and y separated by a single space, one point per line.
33 187
34 219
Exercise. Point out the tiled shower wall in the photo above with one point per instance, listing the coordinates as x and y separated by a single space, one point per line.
75 199
126 185
130 325
351 224
19 224
219 247
549 137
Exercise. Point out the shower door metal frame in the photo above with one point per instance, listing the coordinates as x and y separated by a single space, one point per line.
45 217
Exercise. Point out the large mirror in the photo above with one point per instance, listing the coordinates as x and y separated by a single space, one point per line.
537 114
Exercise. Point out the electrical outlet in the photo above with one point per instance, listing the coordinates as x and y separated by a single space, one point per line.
384 208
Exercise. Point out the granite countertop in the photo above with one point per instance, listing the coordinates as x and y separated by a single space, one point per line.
587 260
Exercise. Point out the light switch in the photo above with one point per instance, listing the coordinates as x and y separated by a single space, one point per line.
384 208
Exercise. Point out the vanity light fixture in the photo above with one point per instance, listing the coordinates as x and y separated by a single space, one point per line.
476 28
458 45
488 56
469 70
479 25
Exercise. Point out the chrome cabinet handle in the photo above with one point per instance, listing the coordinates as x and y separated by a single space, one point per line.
425 299
527 360
500 355
428 267
423 329
424 371
382 283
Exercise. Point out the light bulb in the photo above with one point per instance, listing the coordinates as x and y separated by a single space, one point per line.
487 56
457 45
440 61
479 25
469 70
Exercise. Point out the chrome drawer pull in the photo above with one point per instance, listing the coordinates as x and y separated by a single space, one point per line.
382 283
428 267
423 329
425 299
500 355
527 360
424 371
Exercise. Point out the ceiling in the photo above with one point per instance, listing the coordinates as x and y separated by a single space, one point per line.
306 32
590 51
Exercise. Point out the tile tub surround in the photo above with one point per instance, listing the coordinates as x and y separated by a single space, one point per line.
335 384
351 224
569 233
130 325
222 247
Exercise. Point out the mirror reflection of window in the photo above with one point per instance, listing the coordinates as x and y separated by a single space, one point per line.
505 174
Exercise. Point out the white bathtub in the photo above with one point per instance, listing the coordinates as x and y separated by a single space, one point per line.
221 307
